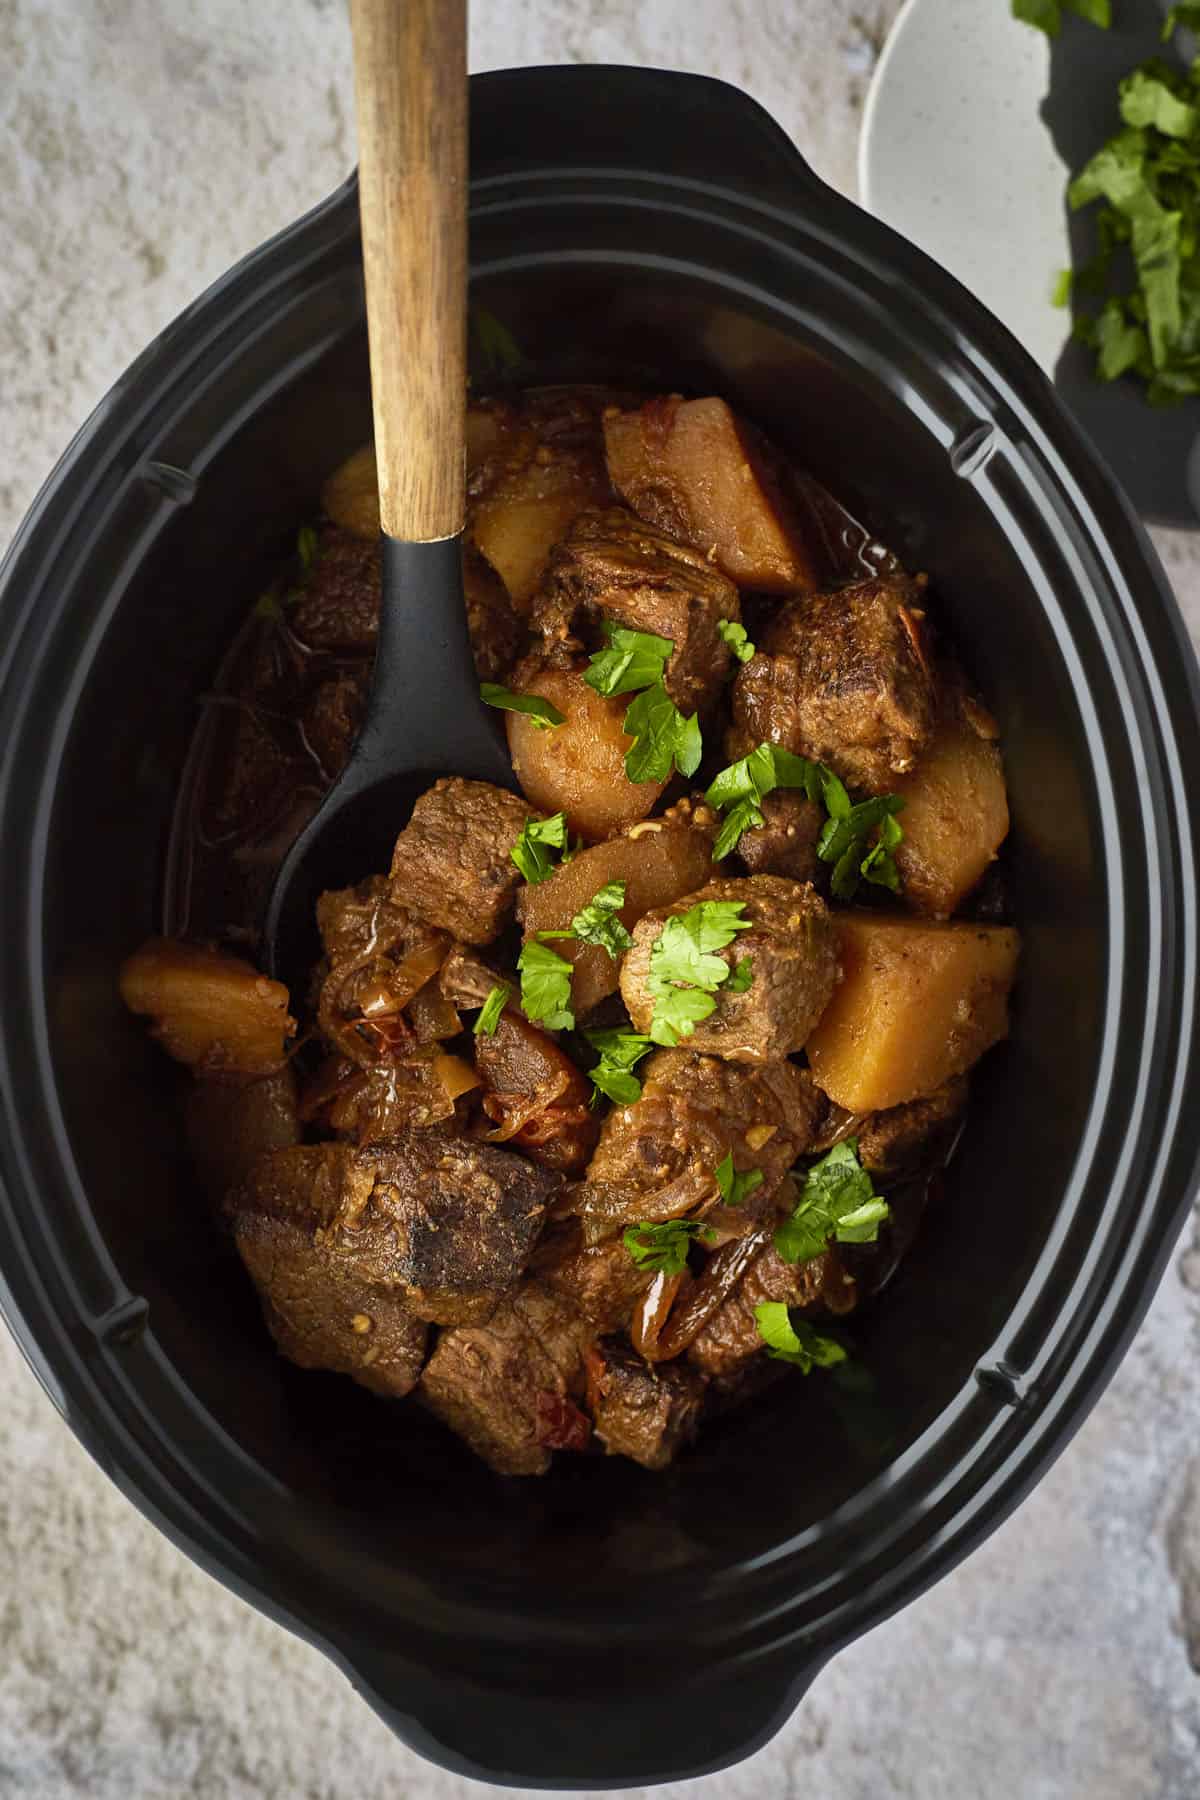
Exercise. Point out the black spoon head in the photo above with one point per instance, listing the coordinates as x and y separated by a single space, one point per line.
424 719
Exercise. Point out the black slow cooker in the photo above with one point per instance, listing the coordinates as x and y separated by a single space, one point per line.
604 1626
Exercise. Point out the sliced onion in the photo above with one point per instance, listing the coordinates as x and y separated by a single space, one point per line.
722 1272
455 1075
432 1016
653 1310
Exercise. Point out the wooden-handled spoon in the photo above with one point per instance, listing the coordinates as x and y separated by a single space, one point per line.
424 716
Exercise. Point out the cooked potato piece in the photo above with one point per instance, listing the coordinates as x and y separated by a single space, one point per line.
212 1011
517 535
955 809
351 495
578 767
657 864
919 1001
692 467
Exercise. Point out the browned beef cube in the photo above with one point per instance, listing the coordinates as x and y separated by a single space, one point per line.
792 949
638 1410
466 980
537 1097
323 1311
695 1110
377 954
696 470
843 677
452 863
613 566
447 1224
786 841
332 715
731 1337
338 608
602 1282
230 1124
917 1136
497 634
510 1388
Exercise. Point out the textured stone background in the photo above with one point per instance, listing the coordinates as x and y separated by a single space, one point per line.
144 145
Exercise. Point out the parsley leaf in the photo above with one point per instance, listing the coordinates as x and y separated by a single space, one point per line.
633 660
734 1187
493 1006
531 852
799 1343
663 737
306 548
545 987
620 1053
663 1247
497 346
739 790
741 976
598 923
1181 18
838 1201
733 634
542 713
1047 15
844 842
685 971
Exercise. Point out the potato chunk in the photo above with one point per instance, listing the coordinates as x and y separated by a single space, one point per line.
579 767
919 1001
211 1011
693 468
351 495
658 863
955 809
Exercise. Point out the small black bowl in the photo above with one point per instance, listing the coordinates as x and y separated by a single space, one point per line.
603 1627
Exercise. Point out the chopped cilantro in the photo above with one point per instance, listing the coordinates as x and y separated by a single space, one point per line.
799 1343
1047 15
734 635
493 1006
620 1053
664 739
836 1201
734 1187
598 923
1060 294
545 987
632 660
845 841
741 977
685 971
739 790
531 852
540 711
664 1247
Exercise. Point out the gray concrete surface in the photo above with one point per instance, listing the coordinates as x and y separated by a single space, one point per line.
144 144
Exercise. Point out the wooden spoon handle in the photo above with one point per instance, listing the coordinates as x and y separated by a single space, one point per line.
410 87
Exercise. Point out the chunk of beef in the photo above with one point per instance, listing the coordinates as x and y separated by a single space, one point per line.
452 863
695 1110
914 1137
613 566
230 1124
338 607
378 954
693 468
497 633
380 1099
322 1309
447 1224
786 841
536 1096
510 1388
332 715
843 677
792 949
640 1410
601 1281
466 980
731 1337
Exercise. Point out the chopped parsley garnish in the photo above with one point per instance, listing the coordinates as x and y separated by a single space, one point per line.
538 838
497 345
836 1201
741 976
493 1006
664 739
540 711
1047 15
734 1187
1138 299
664 1247
545 987
799 1343
858 840
734 635
620 1053
306 548
598 923
271 604
632 660
685 972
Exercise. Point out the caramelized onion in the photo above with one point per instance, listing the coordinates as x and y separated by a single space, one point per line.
722 1272
431 1015
653 1310
456 1076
